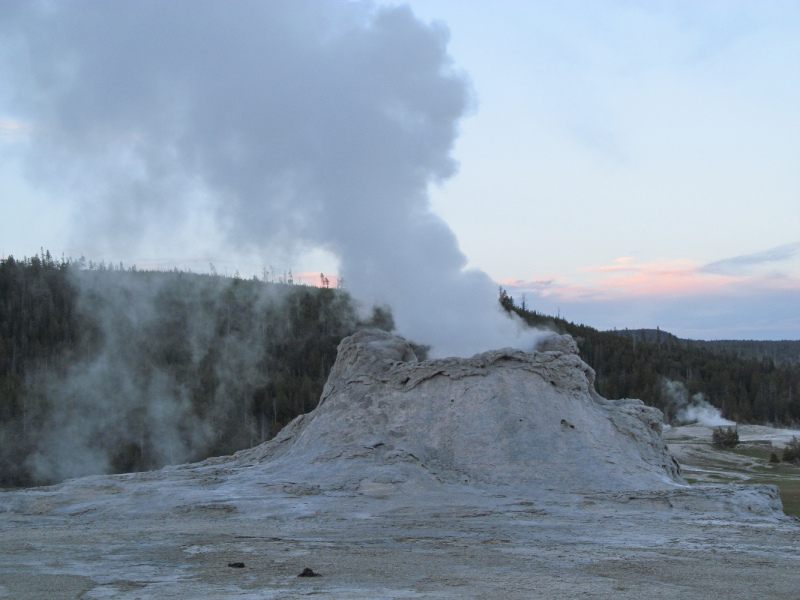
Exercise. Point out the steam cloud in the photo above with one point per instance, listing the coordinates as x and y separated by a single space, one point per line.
295 124
691 410
170 376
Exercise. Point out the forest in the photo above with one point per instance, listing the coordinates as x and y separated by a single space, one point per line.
110 370
780 351
750 382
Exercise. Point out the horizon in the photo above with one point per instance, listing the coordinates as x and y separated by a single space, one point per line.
314 280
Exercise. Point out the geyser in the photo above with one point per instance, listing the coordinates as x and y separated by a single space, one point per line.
504 417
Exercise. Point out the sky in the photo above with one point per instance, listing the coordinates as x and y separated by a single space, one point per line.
622 164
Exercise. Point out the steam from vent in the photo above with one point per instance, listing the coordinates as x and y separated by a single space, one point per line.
691 410
289 124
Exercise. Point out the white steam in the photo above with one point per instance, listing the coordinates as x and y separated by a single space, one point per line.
294 124
123 393
691 410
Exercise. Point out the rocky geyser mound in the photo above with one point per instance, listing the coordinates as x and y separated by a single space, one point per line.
504 417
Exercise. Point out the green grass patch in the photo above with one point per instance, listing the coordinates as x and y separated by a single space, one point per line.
759 452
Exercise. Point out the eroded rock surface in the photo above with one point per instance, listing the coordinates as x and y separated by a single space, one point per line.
504 417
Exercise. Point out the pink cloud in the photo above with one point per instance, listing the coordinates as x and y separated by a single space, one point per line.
623 264
666 278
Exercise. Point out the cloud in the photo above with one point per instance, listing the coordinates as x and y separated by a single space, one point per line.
740 264
624 278
294 124
12 130
678 295
667 278
622 264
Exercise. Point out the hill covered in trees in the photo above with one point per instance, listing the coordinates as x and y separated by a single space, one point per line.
780 351
104 369
745 387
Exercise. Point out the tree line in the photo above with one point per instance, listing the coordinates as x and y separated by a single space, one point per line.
745 386
106 369
780 351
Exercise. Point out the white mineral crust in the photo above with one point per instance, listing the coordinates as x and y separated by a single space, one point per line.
500 476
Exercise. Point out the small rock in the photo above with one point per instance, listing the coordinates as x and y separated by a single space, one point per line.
309 573
236 565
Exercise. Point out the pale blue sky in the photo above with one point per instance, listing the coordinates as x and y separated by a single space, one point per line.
662 131
654 130
612 150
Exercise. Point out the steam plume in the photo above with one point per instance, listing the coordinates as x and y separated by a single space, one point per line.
691 410
294 124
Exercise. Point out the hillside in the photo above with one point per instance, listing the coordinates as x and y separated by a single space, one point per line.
110 370
745 389
780 351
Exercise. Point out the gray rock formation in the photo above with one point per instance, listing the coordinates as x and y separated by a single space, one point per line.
503 417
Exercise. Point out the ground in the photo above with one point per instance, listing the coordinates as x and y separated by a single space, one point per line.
702 462
171 534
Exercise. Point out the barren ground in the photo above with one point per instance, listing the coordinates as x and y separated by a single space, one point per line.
171 534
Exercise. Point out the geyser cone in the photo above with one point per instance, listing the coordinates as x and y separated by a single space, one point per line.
504 417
